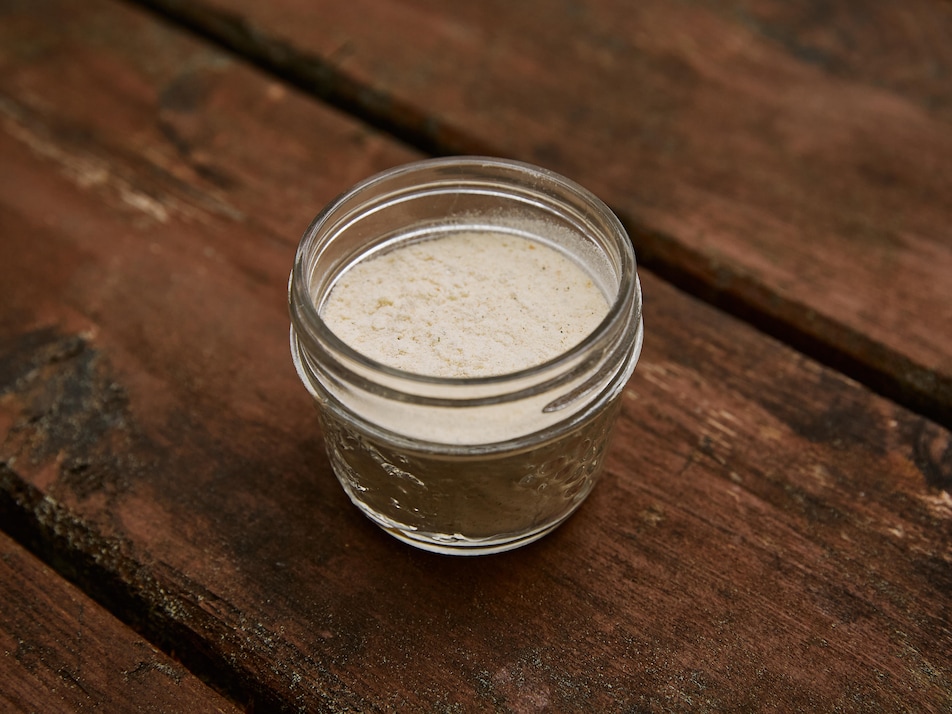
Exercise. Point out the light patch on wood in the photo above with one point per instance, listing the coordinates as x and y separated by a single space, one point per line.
721 427
92 172
939 504
144 203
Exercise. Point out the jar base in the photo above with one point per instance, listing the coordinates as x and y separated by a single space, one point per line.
457 544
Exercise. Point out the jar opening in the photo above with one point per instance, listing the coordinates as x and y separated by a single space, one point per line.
439 196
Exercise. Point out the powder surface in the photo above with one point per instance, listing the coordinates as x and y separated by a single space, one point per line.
467 304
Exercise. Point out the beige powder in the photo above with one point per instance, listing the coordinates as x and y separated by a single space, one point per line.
468 304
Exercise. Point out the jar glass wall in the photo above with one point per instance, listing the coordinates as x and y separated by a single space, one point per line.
466 465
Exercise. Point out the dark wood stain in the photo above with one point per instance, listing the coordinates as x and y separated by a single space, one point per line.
73 412
933 450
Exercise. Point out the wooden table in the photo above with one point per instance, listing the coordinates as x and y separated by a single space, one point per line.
774 528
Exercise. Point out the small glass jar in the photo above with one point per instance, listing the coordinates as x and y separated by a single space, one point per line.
466 465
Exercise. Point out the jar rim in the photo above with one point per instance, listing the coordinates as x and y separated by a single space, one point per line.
624 308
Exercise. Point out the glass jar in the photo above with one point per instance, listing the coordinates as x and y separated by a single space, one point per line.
480 464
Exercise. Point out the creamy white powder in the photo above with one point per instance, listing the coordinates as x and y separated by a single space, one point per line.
467 304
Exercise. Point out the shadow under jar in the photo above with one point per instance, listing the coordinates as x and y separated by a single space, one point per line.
466 464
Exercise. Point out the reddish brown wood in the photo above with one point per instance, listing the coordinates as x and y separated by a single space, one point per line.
768 534
788 161
60 651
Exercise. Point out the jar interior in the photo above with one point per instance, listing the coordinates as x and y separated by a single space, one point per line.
426 212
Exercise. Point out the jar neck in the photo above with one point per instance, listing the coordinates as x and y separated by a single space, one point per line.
504 422
463 192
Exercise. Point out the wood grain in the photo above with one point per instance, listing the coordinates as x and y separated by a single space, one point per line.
769 534
789 162
60 651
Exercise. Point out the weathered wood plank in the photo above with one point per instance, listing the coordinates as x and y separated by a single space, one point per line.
789 162
60 651
768 535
